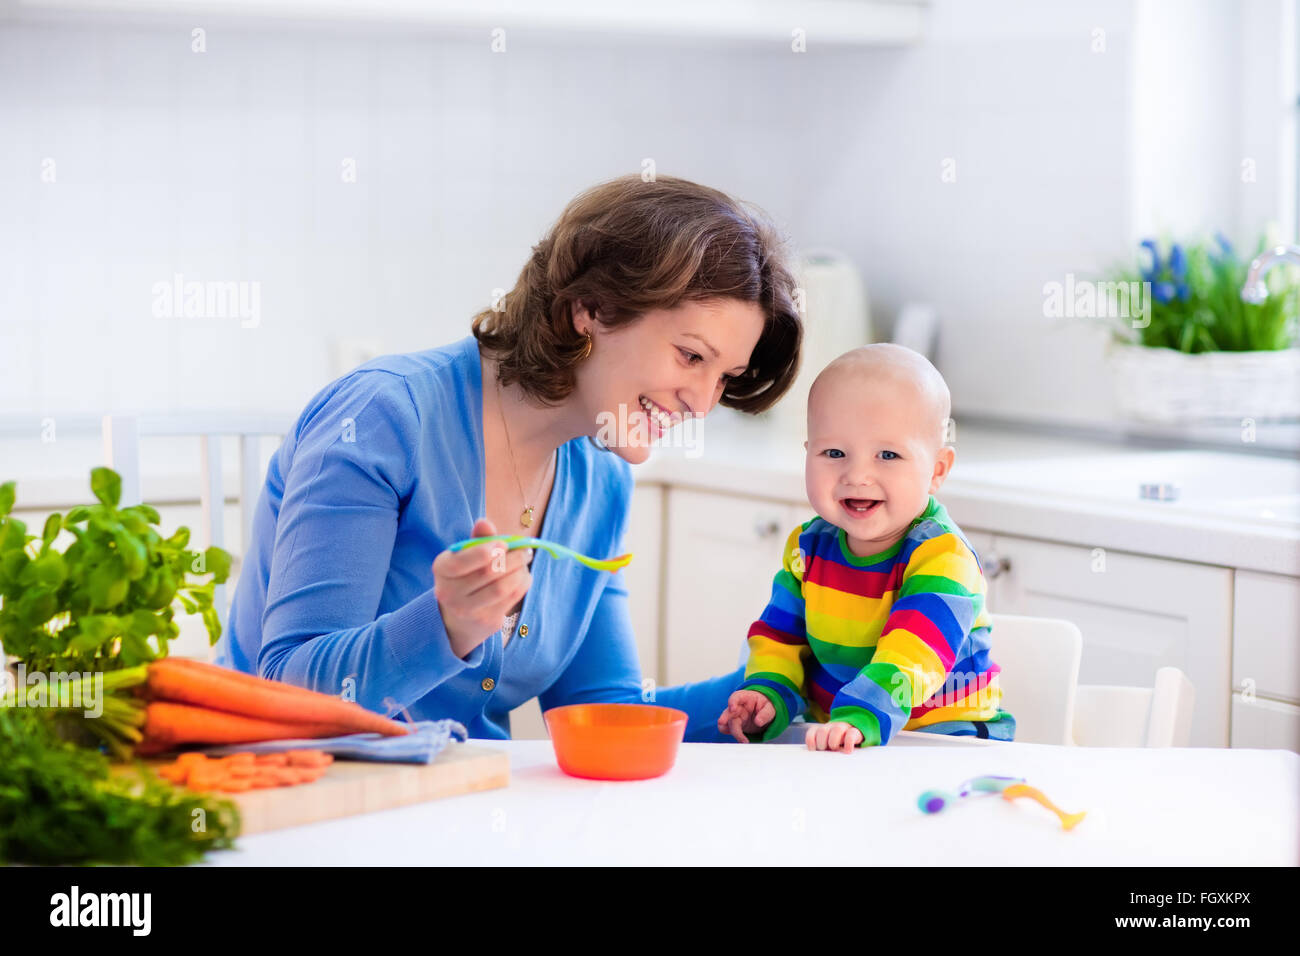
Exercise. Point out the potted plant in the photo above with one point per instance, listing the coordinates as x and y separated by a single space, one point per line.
1199 353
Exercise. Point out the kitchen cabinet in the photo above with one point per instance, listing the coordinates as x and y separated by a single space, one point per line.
1265 724
722 553
833 23
1266 636
1266 660
1137 614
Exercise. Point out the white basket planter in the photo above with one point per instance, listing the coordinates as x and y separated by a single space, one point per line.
1162 385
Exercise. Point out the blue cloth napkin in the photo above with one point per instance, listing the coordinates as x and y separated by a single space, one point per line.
421 745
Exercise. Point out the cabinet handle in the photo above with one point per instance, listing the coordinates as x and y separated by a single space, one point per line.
767 527
995 565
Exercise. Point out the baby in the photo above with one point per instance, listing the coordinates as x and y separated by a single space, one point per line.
877 620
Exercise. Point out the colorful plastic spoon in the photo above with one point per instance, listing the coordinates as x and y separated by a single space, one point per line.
1068 820
555 550
932 801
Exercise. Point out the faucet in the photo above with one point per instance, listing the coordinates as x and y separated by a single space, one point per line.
1254 291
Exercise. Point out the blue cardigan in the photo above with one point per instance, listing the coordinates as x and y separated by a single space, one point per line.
381 472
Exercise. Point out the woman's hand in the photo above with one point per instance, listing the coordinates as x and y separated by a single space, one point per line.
748 711
477 587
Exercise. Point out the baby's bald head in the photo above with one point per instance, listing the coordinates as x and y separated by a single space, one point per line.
895 372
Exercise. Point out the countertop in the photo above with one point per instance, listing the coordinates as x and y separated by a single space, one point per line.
773 805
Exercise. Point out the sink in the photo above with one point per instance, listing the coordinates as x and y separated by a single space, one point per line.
1253 488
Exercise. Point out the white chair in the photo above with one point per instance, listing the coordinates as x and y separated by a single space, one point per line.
1159 716
122 434
1039 657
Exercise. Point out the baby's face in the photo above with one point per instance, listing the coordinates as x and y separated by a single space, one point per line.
874 457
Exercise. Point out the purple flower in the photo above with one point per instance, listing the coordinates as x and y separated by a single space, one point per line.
1150 274
1177 262
1225 246
1162 292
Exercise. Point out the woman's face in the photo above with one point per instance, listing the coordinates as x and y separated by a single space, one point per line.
646 377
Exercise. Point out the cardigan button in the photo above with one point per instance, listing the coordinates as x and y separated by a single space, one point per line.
523 630
488 683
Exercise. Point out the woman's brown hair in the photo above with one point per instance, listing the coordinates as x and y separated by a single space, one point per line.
627 246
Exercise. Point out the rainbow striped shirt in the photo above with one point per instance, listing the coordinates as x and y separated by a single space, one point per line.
898 640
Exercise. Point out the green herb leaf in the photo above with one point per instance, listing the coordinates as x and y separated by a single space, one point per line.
107 485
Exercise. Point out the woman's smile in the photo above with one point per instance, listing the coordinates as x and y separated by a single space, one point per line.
659 417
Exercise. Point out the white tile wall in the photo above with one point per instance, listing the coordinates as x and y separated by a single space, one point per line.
227 165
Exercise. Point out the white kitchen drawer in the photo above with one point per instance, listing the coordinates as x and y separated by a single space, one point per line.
723 552
1265 724
1137 614
1266 635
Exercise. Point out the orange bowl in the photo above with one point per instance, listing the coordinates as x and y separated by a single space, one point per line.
615 741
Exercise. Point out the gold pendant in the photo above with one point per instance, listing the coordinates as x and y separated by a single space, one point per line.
526 517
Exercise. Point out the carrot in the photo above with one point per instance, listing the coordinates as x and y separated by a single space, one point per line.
204 778
235 785
251 680
169 724
272 760
173 773
309 758
216 688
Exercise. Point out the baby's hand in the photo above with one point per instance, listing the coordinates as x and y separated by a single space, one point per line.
835 735
748 711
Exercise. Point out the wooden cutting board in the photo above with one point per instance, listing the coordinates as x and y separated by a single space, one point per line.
349 787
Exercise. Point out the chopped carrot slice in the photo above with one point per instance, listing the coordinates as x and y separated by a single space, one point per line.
308 758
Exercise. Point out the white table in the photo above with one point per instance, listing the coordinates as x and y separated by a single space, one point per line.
774 804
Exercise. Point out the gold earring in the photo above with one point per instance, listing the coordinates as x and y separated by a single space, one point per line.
586 347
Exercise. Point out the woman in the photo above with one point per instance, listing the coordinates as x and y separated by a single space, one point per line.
647 302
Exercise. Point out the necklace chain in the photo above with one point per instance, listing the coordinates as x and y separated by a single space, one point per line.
525 516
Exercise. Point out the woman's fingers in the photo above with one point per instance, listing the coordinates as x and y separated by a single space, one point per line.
493 598
491 558
499 590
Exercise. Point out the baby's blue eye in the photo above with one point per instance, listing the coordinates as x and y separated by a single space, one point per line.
833 453
895 454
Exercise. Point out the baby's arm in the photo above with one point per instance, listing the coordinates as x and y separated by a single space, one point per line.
778 648
941 595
